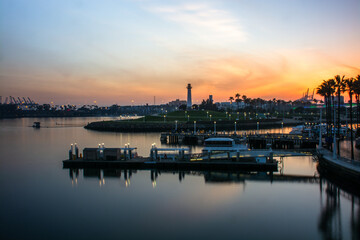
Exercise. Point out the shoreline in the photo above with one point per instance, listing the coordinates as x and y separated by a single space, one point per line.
135 126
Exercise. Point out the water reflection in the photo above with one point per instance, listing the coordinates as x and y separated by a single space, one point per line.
239 177
331 217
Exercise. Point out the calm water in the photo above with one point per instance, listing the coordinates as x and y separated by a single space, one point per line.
41 200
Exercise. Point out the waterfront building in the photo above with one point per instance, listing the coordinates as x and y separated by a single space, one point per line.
177 103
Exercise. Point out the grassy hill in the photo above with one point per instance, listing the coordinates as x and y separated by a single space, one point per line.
191 116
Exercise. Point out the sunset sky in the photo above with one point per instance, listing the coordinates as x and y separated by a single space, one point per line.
76 52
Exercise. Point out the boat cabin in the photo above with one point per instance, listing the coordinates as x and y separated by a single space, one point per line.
169 154
219 142
222 144
109 154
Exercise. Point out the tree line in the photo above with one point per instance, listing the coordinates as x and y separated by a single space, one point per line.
332 89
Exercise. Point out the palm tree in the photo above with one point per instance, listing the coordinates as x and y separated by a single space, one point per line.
350 88
231 99
237 96
357 95
244 97
326 89
340 87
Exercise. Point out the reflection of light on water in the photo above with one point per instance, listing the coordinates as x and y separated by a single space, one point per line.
76 181
101 182
127 182
154 183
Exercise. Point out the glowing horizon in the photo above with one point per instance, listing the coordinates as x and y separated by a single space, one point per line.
79 52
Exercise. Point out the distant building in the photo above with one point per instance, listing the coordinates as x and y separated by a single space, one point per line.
177 103
229 105
189 102
211 99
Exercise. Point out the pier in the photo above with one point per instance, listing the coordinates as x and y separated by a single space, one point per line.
256 141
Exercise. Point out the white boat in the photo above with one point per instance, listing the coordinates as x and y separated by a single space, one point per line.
223 144
297 130
226 149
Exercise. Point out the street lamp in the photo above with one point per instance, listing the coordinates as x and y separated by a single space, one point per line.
176 125
164 118
188 117
194 127
210 117
207 114
229 116
215 127
257 127
282 128
185 113
235 127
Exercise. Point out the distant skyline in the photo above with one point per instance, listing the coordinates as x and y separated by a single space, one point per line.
81 51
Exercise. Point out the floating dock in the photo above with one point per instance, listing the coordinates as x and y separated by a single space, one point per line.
219 154
146 164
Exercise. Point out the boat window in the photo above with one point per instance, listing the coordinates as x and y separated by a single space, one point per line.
223 143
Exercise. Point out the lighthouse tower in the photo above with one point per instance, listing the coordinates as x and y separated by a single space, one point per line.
189 104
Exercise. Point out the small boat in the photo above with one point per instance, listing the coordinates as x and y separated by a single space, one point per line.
36 125
222 144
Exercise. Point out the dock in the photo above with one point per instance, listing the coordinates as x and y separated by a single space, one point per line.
146 164
256 141
218 154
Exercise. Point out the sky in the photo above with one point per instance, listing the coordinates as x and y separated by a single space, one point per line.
126 52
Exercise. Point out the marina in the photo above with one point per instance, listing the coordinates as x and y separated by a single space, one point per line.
295 195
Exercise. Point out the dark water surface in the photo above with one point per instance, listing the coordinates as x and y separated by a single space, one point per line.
41 200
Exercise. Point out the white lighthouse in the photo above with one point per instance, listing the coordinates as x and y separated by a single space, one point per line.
189 104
